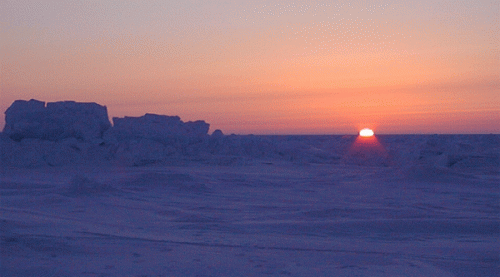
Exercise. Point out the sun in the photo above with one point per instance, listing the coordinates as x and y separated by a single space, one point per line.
366 132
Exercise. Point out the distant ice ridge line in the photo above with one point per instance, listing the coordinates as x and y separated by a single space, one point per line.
157 127
89 122
69 133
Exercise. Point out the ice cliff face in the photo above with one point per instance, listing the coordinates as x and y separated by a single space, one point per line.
156 127
152 138
64 133
55 121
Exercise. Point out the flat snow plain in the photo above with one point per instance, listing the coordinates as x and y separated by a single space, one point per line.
414 216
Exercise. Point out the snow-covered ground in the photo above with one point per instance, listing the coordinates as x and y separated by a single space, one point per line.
259 206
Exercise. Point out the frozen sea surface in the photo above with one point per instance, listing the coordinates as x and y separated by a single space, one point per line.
403 211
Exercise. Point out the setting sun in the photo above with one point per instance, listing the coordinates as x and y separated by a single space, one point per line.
366 132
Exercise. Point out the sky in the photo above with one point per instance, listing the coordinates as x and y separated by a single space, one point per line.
263 67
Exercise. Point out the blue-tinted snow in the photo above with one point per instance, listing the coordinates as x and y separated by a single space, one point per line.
413 205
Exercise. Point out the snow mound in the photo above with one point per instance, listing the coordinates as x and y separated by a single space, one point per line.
461 152
56 120
217 134
440 157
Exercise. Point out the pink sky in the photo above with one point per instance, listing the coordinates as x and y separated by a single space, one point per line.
263 67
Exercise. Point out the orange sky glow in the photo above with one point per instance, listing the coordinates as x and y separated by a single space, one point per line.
263 67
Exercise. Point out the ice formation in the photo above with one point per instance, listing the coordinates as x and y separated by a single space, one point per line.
65 133
156 127
56 120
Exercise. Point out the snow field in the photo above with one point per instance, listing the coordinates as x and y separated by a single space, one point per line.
276 216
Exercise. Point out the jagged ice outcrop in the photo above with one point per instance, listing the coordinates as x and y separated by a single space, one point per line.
55 120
